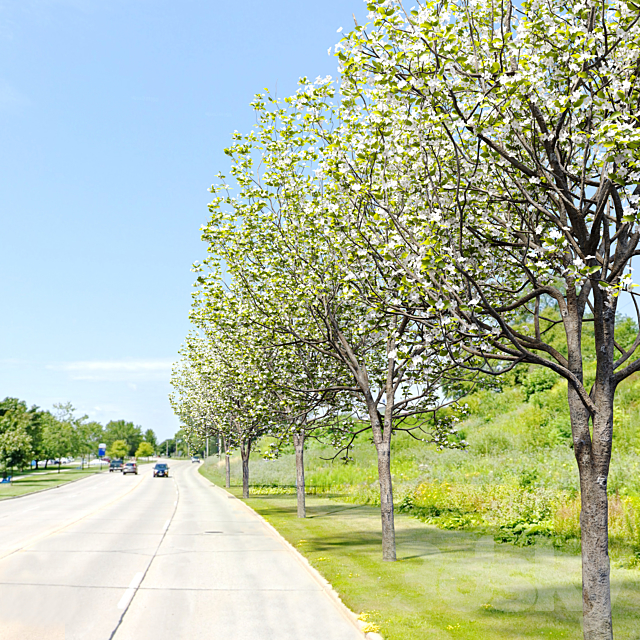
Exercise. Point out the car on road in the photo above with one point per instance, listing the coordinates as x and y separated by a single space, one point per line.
116 465
161 470
195 459
130 467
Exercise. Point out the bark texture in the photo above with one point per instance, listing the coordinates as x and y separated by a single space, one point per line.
592 431
227 465
596 598
386 502
382 442
298 441
245 450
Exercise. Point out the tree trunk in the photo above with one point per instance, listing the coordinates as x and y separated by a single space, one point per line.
382 442
298 441
596 595
245 450
594 511
593 455
227 466
386 502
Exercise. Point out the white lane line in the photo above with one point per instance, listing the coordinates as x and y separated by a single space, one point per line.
166 525
128 594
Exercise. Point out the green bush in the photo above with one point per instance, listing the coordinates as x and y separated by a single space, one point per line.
492 440
538 380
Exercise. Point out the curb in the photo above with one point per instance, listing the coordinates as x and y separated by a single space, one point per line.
315 574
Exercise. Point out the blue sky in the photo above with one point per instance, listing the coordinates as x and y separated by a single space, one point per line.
113 119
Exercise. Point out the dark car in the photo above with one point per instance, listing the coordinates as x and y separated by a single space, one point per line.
130 467
116 465
161 470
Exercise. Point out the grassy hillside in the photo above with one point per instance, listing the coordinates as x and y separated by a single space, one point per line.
517 481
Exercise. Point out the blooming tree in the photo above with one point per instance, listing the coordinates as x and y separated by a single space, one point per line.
282 251
506 138
296 384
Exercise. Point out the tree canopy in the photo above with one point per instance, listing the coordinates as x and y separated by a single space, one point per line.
462 202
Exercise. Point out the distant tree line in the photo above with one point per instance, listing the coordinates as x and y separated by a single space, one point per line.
179 446
38 435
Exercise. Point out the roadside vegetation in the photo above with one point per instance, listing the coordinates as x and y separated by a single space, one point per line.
446 584
504 513
31 482
456 215
517 481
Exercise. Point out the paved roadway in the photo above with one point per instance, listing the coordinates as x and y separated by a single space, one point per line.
137 558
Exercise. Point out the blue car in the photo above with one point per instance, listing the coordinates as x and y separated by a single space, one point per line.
161 470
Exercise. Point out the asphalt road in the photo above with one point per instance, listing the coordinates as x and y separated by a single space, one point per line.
137 558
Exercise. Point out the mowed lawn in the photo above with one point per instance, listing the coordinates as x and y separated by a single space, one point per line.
445 584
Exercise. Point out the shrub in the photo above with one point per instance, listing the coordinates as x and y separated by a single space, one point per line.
539 379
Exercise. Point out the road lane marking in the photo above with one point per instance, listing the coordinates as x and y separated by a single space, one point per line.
129 593
4 553
127 598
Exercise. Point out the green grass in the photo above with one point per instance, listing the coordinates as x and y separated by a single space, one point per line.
32 470
38 482
446 584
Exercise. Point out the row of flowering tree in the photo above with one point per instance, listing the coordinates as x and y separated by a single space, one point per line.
472 181
508 135
308 337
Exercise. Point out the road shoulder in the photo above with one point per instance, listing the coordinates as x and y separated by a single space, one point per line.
323 583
